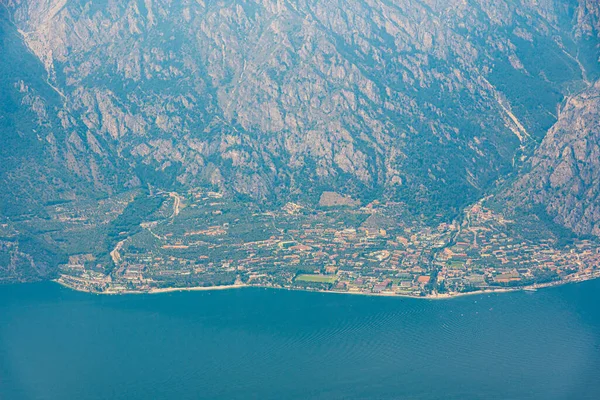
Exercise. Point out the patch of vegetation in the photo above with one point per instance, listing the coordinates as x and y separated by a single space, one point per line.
316 278
128 223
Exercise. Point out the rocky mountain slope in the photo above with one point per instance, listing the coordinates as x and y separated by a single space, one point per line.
563 175
425 103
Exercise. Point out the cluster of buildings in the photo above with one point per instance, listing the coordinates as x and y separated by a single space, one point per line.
485 255
212 241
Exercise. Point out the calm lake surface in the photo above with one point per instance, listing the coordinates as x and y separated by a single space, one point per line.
273 344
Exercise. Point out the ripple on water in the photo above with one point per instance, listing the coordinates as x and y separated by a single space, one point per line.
278 344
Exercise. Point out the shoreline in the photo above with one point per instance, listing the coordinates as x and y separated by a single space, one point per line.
195 289
444 296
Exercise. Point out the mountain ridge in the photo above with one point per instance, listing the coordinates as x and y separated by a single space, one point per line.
428 104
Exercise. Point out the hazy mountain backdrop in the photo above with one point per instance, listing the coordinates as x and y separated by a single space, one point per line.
433 103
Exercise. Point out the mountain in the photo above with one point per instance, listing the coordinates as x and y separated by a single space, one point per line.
563 174
45 157
561 179
424 103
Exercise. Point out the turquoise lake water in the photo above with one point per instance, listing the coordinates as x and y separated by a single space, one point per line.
272 344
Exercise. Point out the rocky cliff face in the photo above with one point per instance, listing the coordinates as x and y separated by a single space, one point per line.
563 175
423 102
42 156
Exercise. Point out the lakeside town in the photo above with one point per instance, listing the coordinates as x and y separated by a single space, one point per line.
203 240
